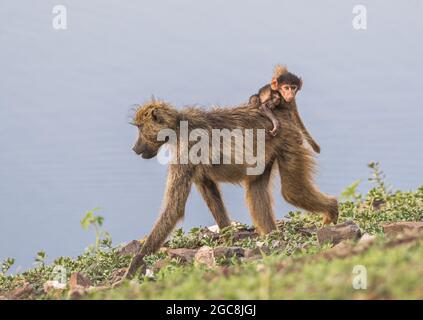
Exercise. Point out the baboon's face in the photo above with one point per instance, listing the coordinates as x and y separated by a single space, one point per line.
288 91
144 147
150 119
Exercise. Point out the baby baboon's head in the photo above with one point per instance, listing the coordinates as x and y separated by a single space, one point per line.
150 118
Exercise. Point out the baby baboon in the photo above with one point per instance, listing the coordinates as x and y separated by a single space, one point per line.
279 93
294 161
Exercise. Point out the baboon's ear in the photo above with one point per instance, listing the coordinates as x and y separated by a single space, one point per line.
300 85
274 84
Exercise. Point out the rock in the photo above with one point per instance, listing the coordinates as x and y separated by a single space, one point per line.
78 280
22 293
276 245
53 285
307 231
205 256
206 233
250 259
149 273
256 252
184 254
131 248
244 234
364 243
346 248
228 252
366 239
214 228
79 292
394 229
340 250
335 234
260 244
159 264
117 275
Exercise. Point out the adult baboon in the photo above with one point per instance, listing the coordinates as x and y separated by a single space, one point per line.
295 163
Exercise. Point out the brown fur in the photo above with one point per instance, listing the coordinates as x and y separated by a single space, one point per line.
295 163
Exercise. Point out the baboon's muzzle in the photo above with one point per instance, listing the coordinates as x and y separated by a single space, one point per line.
142 149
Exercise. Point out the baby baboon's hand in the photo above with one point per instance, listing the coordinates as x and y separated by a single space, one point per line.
276 129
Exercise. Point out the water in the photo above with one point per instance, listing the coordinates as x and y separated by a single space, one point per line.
65 97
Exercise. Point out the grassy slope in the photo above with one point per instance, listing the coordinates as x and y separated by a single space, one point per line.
393 273
299 271
296 271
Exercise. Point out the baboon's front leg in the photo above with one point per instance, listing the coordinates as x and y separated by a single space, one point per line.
211 195
177 189
260 202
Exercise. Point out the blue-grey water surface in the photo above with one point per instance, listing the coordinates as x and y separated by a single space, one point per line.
65 98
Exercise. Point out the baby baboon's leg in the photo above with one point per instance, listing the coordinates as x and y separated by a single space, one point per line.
276 124
260 202
177 189
296 170
211 195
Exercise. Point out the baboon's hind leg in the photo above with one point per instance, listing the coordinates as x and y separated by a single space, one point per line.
260 202
212 196
296 171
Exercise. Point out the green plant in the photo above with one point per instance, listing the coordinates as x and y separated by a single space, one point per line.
6 265
350 192
378 178
102 238
40 259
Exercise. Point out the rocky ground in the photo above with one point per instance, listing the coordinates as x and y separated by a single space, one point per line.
381 232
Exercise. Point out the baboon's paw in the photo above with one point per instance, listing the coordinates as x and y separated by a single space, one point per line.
334 217
328 219
118 283
137 265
